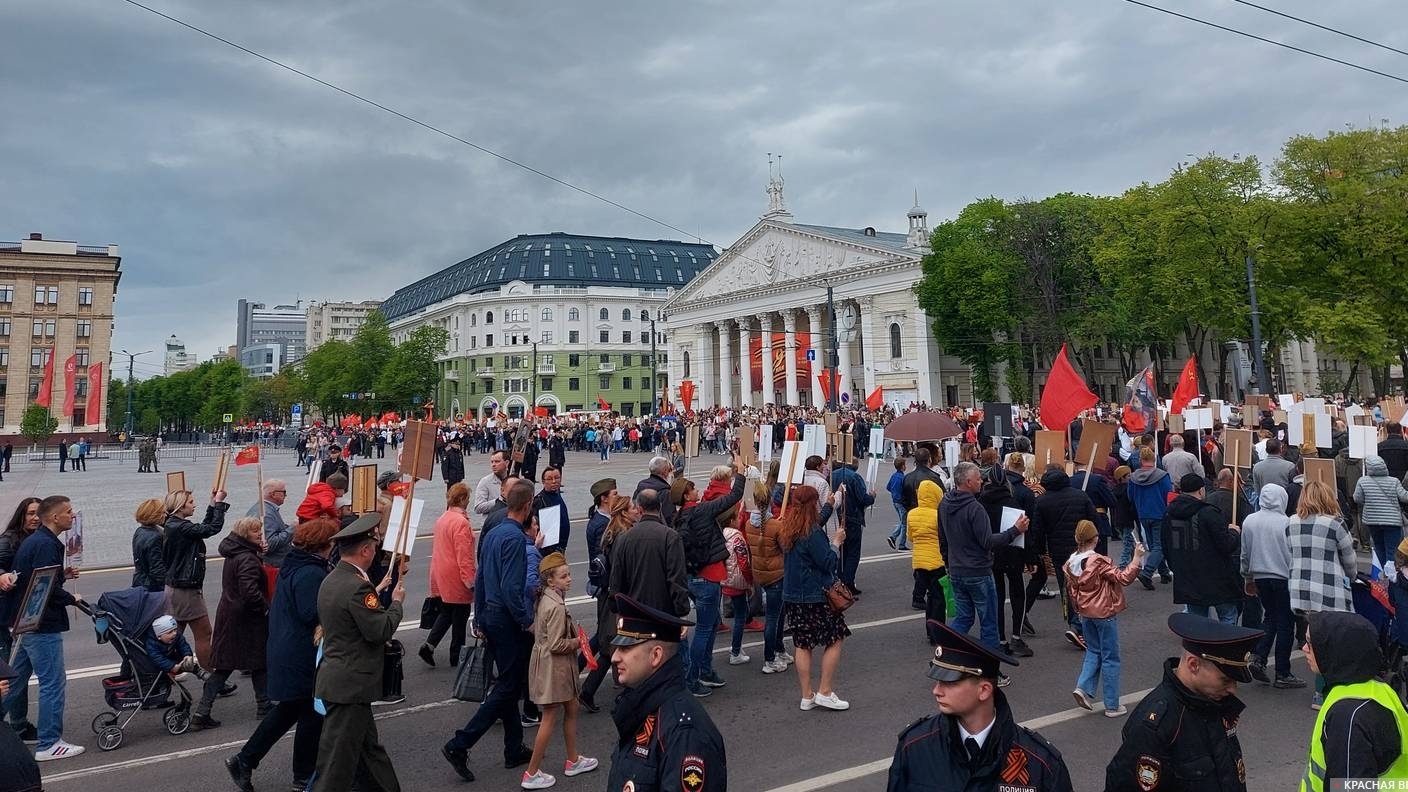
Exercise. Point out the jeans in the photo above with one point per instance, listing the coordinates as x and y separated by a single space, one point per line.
605 450
850 554
1385 539
1126 546
935 608
1152 531
772 628
42 655
900 534
740 620
1225 612
1102 659
976 596
1279 622
700 660
506 648
284 716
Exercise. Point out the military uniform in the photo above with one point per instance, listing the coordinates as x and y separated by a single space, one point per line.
933 754
355 632
665 738
1178 740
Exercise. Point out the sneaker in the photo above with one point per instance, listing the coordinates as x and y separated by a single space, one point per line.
754 626
917 604
386 701
427 653
1166 578
1075 639
538 780
712 679
202 722
1146 581
1027 628
774 667
786 658
1117 712
1257 668
588 703
28 733
1046 594
1317 700
584 764
529 721
1288 682
1019 647
228 690
59 750
808 704
830 701
855 592
738 659
1003 680
1082 698
891 541
698 690
521 755
240 774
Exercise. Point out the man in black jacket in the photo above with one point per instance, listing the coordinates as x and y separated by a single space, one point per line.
1204 553
1058 510
647 562
697 522
967 542
1394 450
452 464
859 497
334 464
661 470
923 460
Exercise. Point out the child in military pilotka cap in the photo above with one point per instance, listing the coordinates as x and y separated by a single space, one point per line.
553 680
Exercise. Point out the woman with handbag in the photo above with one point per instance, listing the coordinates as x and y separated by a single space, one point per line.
451 576
808 578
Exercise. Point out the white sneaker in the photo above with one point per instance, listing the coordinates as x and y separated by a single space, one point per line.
738 659
830 701
584 764
808 704
786 659
538 780
774 667
1116 713
59 750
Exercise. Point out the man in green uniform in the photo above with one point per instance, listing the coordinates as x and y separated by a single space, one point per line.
355 632
1183 735
665 739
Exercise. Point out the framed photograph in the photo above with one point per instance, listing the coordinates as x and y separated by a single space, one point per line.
176 481
418 450
41 586
363 488
222 471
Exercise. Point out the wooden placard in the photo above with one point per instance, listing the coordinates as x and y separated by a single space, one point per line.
418 450
747 445
1097 440
1394 408
222 471
831 421
520 444
363 488
1278 417
1174 423
176 481
1237 445
691 441
1363 420
1322 470
847 445
1050 450
1307 430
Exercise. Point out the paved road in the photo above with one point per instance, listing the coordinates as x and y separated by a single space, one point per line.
771 744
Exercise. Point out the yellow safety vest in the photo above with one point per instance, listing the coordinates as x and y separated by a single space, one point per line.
1378 692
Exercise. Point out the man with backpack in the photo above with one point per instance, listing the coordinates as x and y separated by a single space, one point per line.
697 521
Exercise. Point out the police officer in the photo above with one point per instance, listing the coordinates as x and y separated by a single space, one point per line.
666 740
355 632
1183 735
974 743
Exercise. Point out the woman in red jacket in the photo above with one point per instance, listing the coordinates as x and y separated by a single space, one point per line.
451 575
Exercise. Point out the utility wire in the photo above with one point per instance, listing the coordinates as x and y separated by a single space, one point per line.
1282 44
1326 28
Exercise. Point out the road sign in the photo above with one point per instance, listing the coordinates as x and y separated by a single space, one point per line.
229 417
297 409
811 355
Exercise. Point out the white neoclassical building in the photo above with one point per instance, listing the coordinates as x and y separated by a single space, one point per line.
761 307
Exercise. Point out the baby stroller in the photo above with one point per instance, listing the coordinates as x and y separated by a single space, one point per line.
1371 601
123 618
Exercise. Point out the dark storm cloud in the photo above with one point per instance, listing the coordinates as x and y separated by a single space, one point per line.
222 177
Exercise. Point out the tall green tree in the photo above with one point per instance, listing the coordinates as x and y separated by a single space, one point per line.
412 370
38 425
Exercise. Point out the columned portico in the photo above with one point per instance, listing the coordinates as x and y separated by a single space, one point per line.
745 361
725 365
814 332
765 324
789 353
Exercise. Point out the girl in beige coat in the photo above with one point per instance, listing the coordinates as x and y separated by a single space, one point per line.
553 682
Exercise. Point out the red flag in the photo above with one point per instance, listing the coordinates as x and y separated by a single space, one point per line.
1065 394
829 381
46 388
687 394
876 399
94 409
70 383
600 402
248 455
398 489
541 412
1187 388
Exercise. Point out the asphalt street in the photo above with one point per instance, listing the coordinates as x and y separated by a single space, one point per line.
772 745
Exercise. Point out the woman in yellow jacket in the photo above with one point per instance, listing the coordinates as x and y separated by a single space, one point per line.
928 560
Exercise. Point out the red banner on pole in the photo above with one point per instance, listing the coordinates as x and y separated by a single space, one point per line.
45 397
93 412
70 383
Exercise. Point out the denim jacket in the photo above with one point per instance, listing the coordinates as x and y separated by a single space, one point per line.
810 566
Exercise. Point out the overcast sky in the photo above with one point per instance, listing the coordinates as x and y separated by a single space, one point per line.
223 177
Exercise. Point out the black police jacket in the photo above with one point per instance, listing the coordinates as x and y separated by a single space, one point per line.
930 757
666 740
1176 740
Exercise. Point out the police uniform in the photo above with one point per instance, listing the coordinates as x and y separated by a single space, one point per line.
666 740
1178 740
355 631
933 754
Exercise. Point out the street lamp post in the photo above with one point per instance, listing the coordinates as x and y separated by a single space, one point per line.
131 356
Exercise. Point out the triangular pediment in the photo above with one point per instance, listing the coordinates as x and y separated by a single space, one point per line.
774 254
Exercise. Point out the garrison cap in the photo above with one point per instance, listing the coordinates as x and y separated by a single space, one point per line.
602 487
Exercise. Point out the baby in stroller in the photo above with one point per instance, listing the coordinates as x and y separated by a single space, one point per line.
168 649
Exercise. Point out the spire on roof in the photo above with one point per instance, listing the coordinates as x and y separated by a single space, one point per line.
777 205
918 238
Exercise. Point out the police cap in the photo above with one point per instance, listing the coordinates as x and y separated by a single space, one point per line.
957 656
1228 646
637 622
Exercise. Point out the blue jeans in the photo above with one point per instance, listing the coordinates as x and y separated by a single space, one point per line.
1225 612
40 654
1153 538
605 450
740 620
976 596
772 628
1126 546
1385 539
506 647
1102 659
899 534
700 661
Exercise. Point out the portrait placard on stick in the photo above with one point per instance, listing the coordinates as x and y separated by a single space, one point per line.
418 450
691 441
997 419
1363 441
747 445
1097 440
397 521
176 481
1238 448
831 422
814 441
952 450
872 471
1050 450
1323 431
792 462
222 471
41 585
877 441
847 444
765 443
1322 470
363 488
1175 423
1197 419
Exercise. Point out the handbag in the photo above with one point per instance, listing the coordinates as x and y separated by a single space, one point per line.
475 674
429 612
838 594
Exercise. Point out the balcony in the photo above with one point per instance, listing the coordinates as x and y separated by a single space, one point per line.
452 375
547 369
605 368
485 373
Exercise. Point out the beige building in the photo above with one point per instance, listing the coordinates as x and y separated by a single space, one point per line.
56 299
336 320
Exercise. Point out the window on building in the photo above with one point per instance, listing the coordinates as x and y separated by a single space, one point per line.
81 357
488 362
474 320
34 385
85 295
573 337
5 326
4 357
574 384
644 316
604 314
625 314
472 342
605 336
573 315
85 328
488 317
896 347
547 383
627 360
574 360
36 357
626 383
38 325
625 336
489 340
547 336
547 314
7 293
80 387
603 381
686 363
50 326
605 358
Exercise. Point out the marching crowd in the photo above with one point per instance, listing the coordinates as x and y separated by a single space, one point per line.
1260 561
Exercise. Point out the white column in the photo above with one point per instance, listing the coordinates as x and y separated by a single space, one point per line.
701 366
843 353
867 339
818 353
765 325
789 360
924 376
725 365
745 363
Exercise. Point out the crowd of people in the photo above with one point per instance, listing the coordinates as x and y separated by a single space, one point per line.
1259 561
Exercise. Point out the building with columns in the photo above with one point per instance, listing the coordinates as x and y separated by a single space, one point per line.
751 328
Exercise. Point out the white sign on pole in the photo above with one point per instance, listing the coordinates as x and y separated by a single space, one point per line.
1009 520
1322 430
1295 427
951 450
393 524
1353 411
1198 419
1286 400
814 438
872 470
877 441
1313 404
765 443
793 458
1363 441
